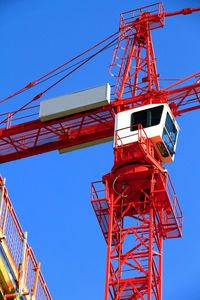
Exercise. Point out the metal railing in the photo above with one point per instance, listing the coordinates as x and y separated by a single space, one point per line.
128 18
130 134
21 257
174 202
98 191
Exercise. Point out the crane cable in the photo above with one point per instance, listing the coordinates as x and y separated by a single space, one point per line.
75 64
78 65
49 74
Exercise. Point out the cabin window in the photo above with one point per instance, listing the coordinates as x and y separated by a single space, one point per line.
169 134
147 117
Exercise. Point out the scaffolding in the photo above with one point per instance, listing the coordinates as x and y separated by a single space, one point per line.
20 274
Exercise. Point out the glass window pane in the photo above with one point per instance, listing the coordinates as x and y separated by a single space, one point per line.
147 118
168 142
169 134
171 128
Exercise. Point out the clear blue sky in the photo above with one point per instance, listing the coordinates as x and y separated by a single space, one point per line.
51 192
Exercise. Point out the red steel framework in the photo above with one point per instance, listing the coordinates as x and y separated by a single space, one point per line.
136 207
20 140
139 207
133 64
135 203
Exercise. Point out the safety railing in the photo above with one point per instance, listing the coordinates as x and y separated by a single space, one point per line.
131 134
98 191
21 257
100 205
128 18
174 202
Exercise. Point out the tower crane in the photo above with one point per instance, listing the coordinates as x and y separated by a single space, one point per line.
135 203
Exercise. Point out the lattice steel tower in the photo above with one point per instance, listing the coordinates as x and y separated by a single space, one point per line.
136 204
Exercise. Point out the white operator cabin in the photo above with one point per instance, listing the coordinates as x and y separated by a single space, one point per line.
159 125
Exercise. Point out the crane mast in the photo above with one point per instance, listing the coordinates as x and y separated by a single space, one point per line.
136 204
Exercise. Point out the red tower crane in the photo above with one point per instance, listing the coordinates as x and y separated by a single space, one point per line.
139 207
135 204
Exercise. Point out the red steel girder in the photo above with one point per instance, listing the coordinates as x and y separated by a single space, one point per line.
36 137
135 214
136 207
138 84
182 99
134 61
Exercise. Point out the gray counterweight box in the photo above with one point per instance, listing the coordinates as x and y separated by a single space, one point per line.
74 103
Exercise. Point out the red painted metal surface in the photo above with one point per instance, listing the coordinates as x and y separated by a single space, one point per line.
137 52
37 137
136 207
134 66
139 208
